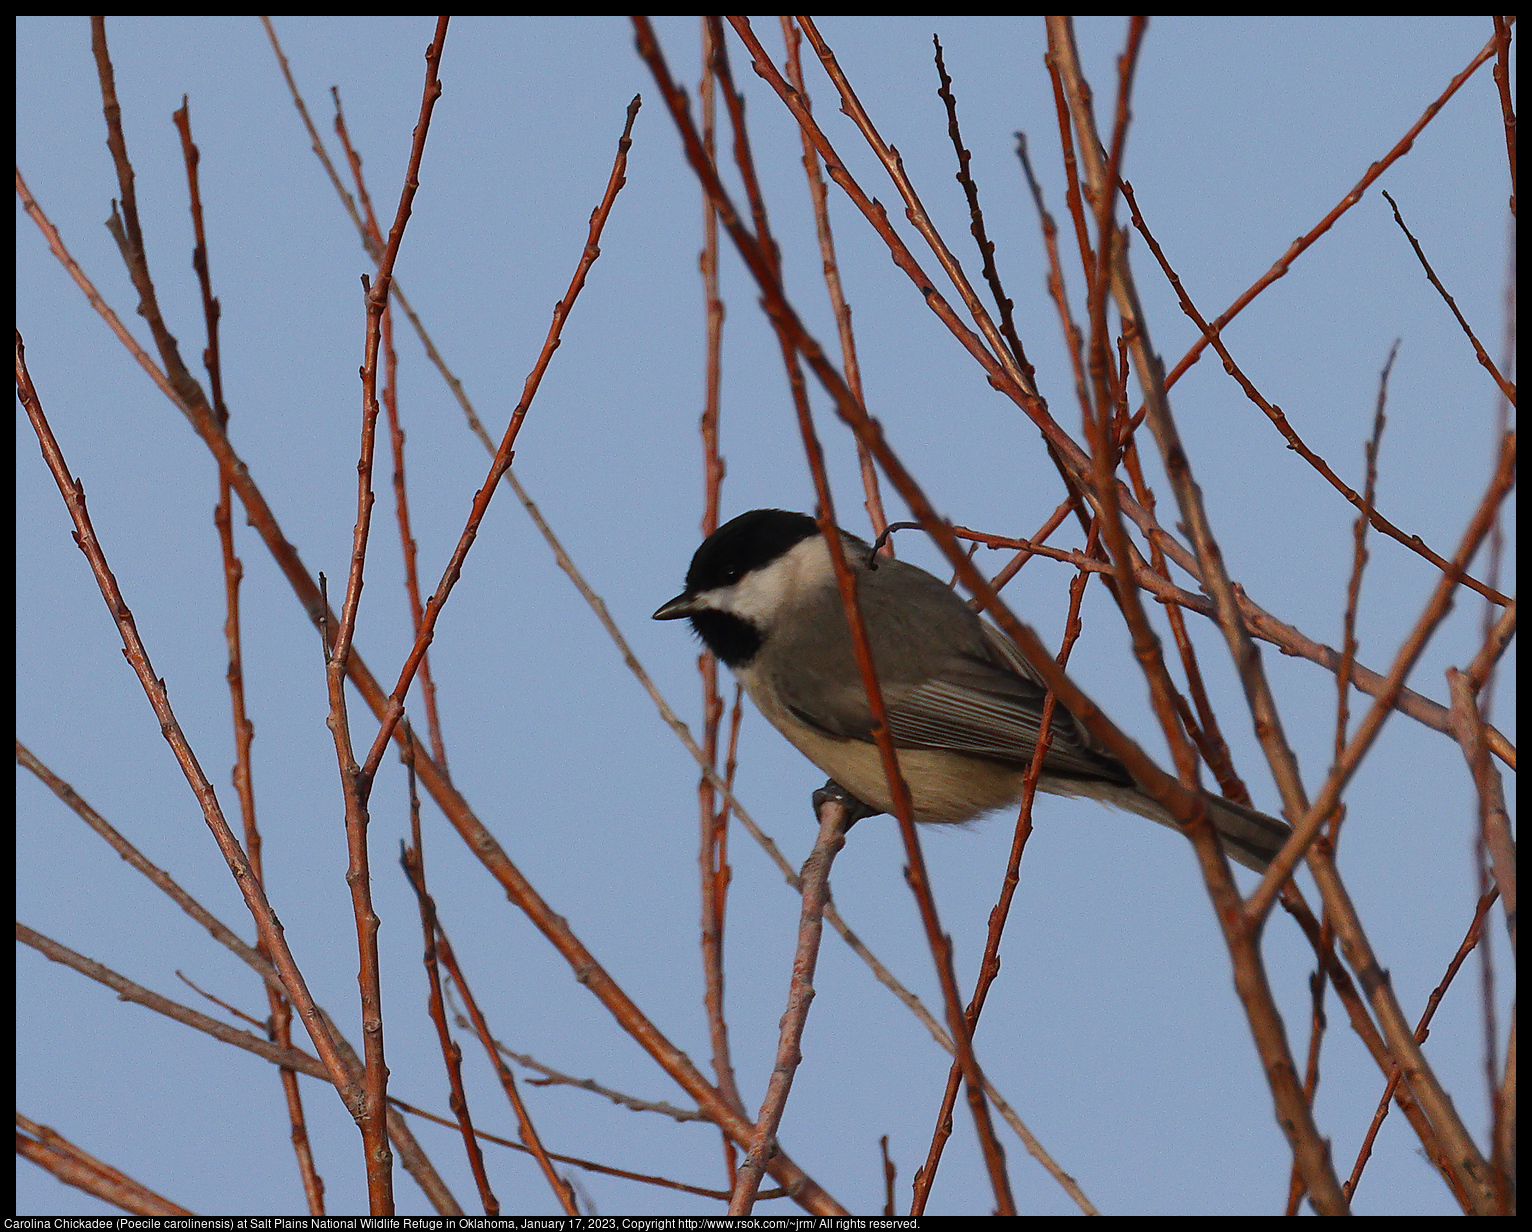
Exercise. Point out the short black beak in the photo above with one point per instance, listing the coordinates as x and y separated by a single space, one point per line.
682 605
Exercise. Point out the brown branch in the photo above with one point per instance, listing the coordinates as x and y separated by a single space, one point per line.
561 1188
915 872
552 1077
855 416
51 1151
396 439
873 501
1461 1155
1056 286
1470 940
1502 73
280 1026
833 816
127 990
1300 245
997 353
373 247
413 859
989 967
267 924
1359 557
1496 640
713 820
1494 819
721 1195
976 227
411 1156
1307 828
801 1187
504 455
356 784
1006 373
1279 420
1506 387
1072 457
1112 276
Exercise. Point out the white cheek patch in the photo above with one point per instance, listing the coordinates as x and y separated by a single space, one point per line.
761 595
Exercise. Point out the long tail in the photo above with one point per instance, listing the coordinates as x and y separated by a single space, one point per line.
1250 838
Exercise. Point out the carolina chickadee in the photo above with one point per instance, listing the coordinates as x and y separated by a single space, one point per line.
963 704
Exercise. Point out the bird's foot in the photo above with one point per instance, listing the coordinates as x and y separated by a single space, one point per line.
833 792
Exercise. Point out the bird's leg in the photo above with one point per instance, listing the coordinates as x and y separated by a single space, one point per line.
855 809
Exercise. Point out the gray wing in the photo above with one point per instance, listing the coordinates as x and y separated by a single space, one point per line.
969 690
987 709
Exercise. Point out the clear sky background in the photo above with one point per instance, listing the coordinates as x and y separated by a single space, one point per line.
1113 1028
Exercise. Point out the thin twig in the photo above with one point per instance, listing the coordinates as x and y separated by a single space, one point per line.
722 1195
986 246
1502 73
873 498
553 1077
372 247
1280 421
356 783
915 872
713 820
411 1156
1306 829
833 814
1301 244
266 922
1112 277
989 966
1071 457
1318 980
1470 940
529 1135
396 439
1506 387
280 1026
412 857
502 460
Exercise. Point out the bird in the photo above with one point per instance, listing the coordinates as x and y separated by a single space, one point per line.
963 704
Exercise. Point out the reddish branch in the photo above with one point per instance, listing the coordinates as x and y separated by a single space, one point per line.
1461 1155
267 925
413 860
280 1024
797 1184
529 1136
989 967
374 236
873 502
1300 245
1470 940
1279 420
51 1151
915 873
1506 387
1503 85
504 455
713 817
413 1158
356 783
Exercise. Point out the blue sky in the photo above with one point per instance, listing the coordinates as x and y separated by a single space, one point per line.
1113 1028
